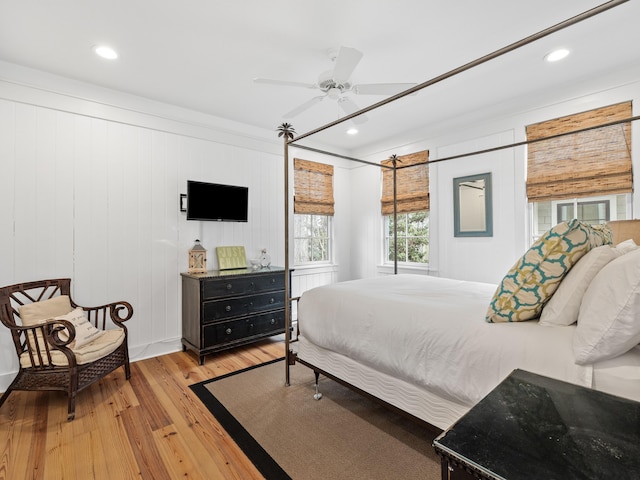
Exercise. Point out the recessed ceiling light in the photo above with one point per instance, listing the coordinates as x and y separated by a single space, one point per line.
352 131
105 52
557 55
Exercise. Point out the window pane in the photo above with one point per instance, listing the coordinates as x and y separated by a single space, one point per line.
312 238
413 237
301 225
418 250
565 212
594 212
319 251
402 249
320 226
418 224
389 223
302 249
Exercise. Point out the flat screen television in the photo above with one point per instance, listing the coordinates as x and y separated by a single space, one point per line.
216 202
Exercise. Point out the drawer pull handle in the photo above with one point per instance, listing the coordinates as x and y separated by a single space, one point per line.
228 308
273 280
273 321
229 286
228 331
272 300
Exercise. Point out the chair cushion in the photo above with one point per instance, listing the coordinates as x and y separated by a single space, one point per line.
34 313
85 331
102 346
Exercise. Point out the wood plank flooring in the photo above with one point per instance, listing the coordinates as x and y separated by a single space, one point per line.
151 427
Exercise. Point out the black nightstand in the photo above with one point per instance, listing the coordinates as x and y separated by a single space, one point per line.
534 427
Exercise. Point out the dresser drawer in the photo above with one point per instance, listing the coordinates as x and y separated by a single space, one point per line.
214 310
232 330
223 287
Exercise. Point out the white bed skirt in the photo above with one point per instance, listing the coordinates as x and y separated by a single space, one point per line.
619 376
433 409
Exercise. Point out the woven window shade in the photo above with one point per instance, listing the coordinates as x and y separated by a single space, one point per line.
313 187
412 184
594 162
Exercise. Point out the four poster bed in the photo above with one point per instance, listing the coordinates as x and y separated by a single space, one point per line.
422 344
433 347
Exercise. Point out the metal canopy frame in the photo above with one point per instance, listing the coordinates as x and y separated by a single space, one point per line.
287 132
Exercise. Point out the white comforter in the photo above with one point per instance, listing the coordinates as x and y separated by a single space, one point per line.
432 332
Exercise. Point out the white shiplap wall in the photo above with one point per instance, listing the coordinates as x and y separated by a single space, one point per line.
94 195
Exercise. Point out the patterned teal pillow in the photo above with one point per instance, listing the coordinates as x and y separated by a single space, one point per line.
529 284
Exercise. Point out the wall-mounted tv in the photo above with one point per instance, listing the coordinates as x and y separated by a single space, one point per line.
216 202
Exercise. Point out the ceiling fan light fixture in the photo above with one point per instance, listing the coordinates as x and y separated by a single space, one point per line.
105 52
334 93
556 55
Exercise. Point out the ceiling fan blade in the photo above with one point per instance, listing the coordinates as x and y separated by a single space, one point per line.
284 83
348 107
306 105
381 88
345 63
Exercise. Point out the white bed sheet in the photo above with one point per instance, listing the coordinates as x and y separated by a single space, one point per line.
432 332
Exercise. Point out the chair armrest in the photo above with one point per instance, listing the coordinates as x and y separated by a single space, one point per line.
50 329
117 312
55 327
39 340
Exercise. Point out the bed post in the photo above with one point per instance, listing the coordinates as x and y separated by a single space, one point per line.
394 162
286 131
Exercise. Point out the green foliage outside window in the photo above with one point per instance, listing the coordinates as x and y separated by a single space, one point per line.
413 237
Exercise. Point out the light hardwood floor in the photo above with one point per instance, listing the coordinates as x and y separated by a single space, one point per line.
151 427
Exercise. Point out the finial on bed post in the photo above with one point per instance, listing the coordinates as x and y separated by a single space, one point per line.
286 131
394 161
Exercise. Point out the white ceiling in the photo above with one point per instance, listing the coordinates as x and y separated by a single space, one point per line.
204 54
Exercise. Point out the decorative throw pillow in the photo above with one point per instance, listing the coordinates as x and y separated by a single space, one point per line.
534 278
85 331
608 322
36 312
564 305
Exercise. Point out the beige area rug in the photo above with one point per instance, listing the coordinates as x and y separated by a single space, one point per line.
288 434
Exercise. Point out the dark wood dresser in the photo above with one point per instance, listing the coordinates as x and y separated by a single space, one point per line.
224 309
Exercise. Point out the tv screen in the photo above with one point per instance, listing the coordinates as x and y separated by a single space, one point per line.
215 202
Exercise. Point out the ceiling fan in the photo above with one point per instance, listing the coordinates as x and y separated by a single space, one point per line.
336 84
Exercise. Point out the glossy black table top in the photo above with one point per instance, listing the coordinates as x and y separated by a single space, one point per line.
534 427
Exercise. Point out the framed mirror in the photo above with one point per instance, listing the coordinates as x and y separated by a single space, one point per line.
472 206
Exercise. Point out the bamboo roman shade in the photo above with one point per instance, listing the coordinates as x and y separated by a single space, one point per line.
313 187
412 184
593 162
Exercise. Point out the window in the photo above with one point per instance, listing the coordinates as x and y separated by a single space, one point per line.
592 210
413 237
313 209
577 168
312 238
412 203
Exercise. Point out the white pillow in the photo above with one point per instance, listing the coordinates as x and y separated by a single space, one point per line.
626 246
609 319
564 305
85 331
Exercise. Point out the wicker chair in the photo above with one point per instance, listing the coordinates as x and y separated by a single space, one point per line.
47 357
